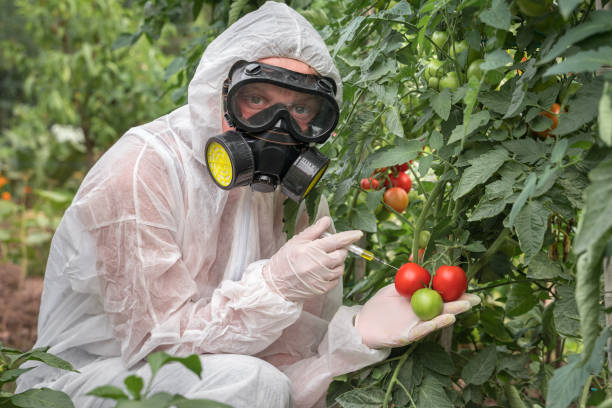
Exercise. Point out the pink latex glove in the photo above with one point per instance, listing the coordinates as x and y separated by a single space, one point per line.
387 320
307 265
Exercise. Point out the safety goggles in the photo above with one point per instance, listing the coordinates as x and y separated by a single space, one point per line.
258 95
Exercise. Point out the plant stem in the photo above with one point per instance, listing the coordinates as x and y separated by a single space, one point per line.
585 392
488 254
421 221
418 180
396 372
499 284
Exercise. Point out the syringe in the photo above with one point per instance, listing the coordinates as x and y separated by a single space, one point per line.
362 253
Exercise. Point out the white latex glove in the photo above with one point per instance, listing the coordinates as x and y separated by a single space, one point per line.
387 320
308 265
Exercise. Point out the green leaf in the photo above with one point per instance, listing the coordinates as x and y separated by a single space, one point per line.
374 198
526 193
595 222
497 16
393 122
55 196
566 384
158 359
49 359
521 299
526 150
585 61
125 39
400 153
530 228
542 267
432 395
567 6
42 398
290 211
363 219
441 103
605 114
436 140
134 385
477 120
487 209
197 403
347 33
108 391
235 9
177 64
492 319
580 108
433 356
513 396
481 169
496 59
480 367
567 320
598 22
559 151
362 398
12 375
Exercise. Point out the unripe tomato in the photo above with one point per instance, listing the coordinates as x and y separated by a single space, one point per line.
450 81
534 8
433 83
411 277
365 184
402 180
439 38
553 114
474 69
424 238
433 69
450 281
457 48
396 198
426 303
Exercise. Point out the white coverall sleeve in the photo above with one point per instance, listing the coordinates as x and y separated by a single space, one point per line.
147 291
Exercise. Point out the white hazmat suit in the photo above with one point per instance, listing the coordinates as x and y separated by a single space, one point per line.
152 255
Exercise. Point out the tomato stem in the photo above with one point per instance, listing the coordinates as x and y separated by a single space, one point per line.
474 268
396 372
439 188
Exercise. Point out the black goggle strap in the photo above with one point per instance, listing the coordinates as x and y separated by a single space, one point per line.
224 91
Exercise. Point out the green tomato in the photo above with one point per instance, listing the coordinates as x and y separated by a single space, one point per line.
426 303
457 48
433 68
534 8
439 38
450 81
433 83
424 238
413 195
474 69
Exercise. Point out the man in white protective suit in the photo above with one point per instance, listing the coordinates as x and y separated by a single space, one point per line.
159 252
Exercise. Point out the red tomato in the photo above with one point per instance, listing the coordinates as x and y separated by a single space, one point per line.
365 184
402 167
402 180
553 115
450 281
396 198
375 183
411 277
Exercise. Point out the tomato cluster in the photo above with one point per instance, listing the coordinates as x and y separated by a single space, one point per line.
413 281
396 182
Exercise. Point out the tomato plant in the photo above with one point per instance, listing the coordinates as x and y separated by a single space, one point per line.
411 277
426 303
450 81
450 281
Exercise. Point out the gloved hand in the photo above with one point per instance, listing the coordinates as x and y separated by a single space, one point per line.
387 320
308 265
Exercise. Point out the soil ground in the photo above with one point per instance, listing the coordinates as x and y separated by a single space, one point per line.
19 304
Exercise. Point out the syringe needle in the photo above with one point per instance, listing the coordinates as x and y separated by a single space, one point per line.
363 253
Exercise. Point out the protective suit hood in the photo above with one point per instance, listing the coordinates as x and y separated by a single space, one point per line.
274 30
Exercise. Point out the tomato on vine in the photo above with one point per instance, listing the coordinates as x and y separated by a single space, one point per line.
439 38
426 303
396 198
365 184
424 238
553 115
450 80
474 69
401 180
450 281
411 277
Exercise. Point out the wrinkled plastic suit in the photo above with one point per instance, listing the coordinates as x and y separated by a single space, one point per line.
152 255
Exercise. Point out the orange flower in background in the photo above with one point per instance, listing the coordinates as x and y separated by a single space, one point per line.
3 181
6 195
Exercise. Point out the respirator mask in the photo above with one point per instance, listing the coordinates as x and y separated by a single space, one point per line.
277 114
